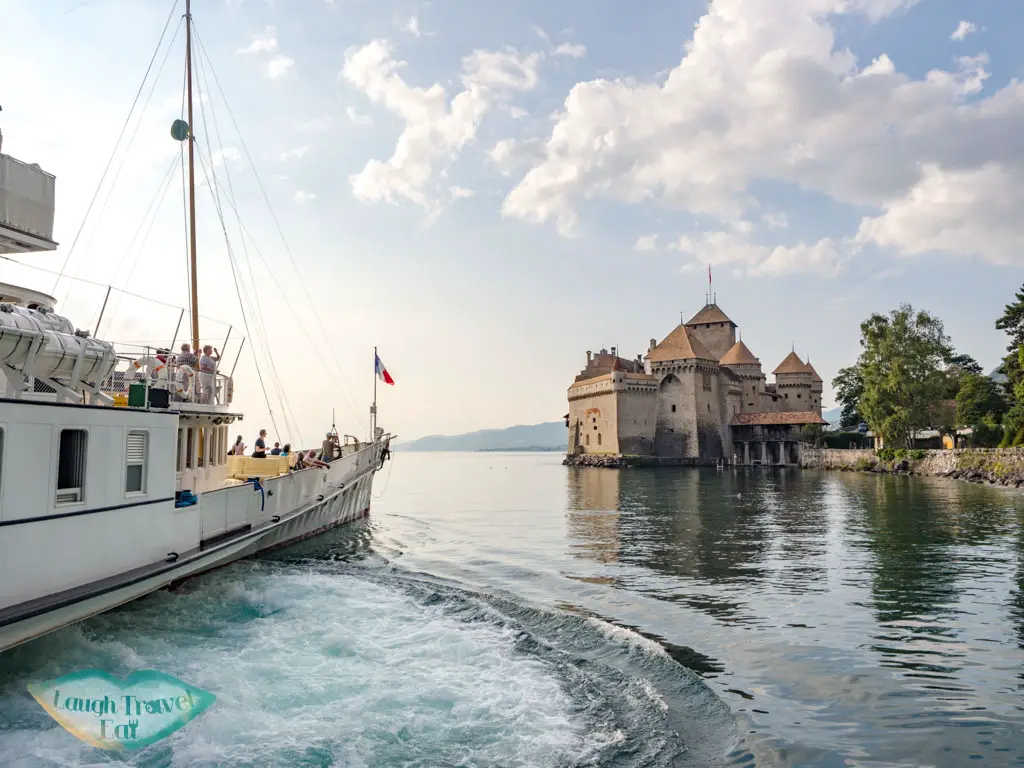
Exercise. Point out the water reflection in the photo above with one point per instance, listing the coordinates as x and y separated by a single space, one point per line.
877 602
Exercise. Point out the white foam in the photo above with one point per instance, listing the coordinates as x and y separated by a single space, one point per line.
302 660
628 637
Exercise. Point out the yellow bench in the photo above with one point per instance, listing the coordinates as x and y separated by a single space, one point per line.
244 467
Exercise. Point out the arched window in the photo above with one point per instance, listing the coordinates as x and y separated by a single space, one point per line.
598 438
588 439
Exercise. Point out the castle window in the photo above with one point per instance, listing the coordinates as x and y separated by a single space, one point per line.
797 395
598 438
673 408
787 395
707 381
709 407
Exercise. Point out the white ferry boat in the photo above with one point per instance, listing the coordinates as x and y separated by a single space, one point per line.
116 471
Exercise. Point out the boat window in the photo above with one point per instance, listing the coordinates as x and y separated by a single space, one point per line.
190 448
180 463
202 448
71 466
135 462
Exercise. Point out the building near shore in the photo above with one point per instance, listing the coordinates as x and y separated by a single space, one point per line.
700 395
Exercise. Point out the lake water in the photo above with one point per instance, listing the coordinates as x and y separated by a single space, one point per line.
503 610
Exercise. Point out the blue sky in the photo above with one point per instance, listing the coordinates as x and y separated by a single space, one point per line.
563 187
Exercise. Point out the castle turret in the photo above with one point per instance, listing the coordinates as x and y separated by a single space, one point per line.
741 362
794 382
713 328
817 387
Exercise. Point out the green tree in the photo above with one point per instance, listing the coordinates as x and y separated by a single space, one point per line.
903 369
849 386
979 401
958 368
1012 322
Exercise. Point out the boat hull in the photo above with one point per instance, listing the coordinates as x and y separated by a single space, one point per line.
334 507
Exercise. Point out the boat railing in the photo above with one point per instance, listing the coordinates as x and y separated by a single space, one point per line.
148 376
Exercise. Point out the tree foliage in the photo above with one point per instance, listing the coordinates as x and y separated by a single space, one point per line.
902 368
979 401
1012 322
849 386
959 367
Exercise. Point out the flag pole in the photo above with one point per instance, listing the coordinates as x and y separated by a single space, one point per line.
373 408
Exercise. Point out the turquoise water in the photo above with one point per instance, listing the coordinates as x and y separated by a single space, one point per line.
503 610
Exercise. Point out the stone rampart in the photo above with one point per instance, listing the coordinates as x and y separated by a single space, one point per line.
996 466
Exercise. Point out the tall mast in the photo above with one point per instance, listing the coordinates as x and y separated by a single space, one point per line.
191 181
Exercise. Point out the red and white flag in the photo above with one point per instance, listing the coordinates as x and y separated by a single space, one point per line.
381 371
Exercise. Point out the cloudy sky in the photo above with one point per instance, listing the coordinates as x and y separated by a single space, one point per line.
485 191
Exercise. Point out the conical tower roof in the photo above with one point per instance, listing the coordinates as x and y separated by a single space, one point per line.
710 314
792 364
680 345
739 354
814 374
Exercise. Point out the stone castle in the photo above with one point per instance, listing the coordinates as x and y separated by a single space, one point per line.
698 396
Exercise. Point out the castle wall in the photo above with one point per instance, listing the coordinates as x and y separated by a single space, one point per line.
710 401
796 392
636 409
719 338
676 418
593 406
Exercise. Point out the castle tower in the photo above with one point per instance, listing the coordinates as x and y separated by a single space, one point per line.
713 329
817 387
690 400
794 382
741 362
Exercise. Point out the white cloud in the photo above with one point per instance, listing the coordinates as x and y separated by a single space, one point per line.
294 154
265 42
460 192
358 117
973 212
224 155
963 29
763 94
568 49
436 130
517 113
302 197
316 124
412 26
279 66
775 220
646 243
825 257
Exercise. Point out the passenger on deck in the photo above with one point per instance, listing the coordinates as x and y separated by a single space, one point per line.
287 450
260 451
276 450
327 448
238 449
208 373
185 357
312 461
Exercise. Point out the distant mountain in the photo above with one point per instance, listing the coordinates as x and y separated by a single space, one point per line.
551 435
998 376
832 416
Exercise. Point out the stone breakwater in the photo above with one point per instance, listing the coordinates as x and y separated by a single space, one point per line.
994 466
592 460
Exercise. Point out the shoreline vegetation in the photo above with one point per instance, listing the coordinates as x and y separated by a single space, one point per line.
910 385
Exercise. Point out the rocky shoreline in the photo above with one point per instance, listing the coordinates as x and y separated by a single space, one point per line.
985 466
593 460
